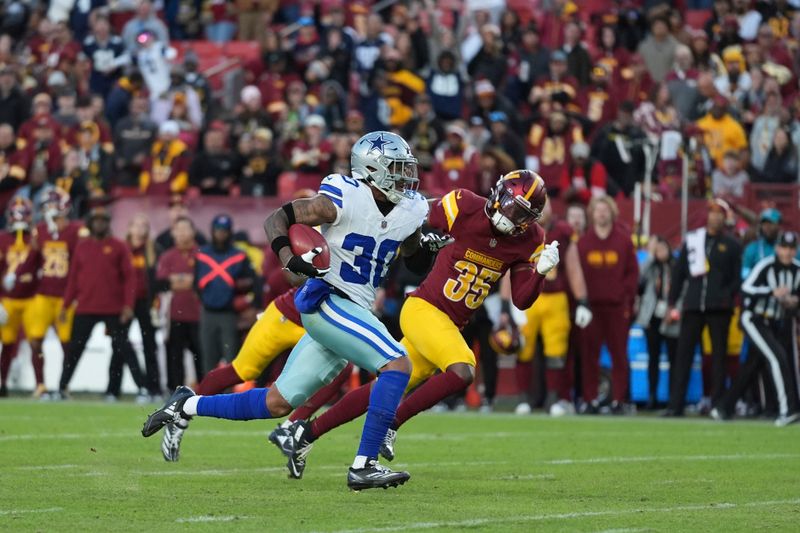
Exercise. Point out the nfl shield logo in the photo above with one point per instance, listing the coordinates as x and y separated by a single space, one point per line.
384 224
492 242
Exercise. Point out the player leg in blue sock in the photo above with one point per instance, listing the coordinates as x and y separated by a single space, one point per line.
185 404
386 394
383 401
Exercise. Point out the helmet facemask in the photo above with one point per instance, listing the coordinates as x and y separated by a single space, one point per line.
385 162
511 214
400 179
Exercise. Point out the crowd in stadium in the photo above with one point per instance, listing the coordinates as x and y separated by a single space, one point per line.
100 100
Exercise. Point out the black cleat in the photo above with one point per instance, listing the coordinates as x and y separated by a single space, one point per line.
387 446
720 415
375 476
171 442
590 408
280 438
169 413
299 445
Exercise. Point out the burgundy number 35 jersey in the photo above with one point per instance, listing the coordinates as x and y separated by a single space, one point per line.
465 271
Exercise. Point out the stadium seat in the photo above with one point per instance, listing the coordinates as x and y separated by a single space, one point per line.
697 18
286 185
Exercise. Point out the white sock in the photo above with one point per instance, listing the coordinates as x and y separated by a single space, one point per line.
286 423
360 461
190 405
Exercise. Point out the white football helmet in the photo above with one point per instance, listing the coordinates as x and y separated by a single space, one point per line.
384 160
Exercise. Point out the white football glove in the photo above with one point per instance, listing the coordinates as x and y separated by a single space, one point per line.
583 315
548 258
3 315
433 242
8 281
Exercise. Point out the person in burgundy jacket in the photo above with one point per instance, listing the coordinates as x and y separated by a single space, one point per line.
102 288
143 255
608 261
175 273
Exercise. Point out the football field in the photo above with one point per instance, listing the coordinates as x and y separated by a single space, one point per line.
83 466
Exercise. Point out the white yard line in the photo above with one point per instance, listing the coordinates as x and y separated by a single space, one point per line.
474 522
47 467
652 458
6 512
525 477
167 472
209 518
624 530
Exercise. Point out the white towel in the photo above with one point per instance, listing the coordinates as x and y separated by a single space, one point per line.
696 252
670 144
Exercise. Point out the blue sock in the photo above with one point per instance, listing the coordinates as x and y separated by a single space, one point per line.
383 401
247 405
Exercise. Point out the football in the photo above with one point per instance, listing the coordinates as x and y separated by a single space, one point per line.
305 238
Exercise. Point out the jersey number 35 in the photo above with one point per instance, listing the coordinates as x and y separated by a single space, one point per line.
472 285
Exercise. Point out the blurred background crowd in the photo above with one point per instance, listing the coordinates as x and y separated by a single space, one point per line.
175 102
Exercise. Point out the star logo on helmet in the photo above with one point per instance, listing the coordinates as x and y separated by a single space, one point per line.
377 143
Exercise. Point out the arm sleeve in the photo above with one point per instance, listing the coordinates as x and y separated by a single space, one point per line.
526 285
194 171
443 213
247 271
128 277
756 283
736 268
144 177
565 178
333 187
162 283
181 181
599 181
71 290
162 268
678 276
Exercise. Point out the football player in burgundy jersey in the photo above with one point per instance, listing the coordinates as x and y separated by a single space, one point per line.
57 236
490 236
19 264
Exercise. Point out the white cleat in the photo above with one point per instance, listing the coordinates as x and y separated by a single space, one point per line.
171 441
523 408
783 421
562 408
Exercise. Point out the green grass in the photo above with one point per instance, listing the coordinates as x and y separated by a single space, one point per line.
84 466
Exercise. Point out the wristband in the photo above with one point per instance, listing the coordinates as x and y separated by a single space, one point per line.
288 208
583 301
279 243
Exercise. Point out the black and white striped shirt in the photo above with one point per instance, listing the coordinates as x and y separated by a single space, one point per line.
767 275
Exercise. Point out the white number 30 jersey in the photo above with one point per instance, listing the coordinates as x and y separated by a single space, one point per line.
363 242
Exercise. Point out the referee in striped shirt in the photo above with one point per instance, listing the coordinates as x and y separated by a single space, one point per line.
771 295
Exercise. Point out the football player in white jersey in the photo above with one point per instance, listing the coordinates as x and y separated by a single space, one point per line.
367 220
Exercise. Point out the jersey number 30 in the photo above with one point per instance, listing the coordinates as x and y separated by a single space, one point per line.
364 248
472 285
